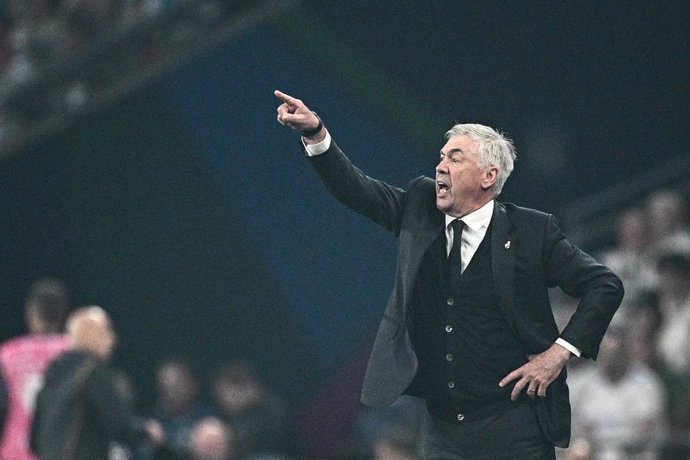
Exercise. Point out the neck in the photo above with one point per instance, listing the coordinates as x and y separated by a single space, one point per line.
475 206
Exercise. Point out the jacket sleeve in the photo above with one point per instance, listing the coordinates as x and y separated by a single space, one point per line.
112 407
375 199
599 290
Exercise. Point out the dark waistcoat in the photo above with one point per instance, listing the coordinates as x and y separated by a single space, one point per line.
463 343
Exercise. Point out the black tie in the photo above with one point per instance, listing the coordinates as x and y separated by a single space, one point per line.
455 257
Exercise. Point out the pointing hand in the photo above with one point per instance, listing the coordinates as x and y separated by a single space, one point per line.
293 113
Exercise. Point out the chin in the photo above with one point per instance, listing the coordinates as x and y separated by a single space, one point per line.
443 206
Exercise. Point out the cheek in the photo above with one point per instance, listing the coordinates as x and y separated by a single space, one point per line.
460 179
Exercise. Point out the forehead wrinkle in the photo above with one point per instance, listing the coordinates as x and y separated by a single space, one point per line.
453 151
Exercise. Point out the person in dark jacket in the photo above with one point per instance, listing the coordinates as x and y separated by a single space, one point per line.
80 411
469 325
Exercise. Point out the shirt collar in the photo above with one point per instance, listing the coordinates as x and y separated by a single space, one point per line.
476 219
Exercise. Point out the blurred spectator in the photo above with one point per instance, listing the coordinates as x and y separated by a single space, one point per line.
643 322
404 415
667 216
627 257
674 290
256 416
673 343
618 409
126 391
211 439
23 361
155 7
396 444
36 35
80 411
579 449
178 406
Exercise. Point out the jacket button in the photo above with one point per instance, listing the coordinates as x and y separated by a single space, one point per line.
461 417
449 357
450 301
451 384
449 328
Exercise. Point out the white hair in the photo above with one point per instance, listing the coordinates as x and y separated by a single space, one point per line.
493 149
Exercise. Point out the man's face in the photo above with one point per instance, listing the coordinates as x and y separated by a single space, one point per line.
460 182
177 384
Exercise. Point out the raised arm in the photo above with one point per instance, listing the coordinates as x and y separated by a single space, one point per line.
375 199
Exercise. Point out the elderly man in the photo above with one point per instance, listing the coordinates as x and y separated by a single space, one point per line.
80 410
469 326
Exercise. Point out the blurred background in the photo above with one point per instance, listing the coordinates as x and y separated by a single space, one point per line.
141 164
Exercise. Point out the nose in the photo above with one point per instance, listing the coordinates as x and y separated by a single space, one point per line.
442 166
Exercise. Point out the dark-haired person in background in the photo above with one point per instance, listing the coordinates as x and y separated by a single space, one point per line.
469 325
24 359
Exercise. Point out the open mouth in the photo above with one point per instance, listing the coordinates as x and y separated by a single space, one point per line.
441 187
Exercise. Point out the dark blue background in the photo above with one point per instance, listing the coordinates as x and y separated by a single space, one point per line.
187 211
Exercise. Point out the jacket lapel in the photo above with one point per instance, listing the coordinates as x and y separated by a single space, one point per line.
428 227
503 258
423 238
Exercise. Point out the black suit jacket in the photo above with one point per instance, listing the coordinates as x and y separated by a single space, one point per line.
529 254
79 409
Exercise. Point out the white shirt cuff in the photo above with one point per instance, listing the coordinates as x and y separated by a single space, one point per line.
572 349
317 149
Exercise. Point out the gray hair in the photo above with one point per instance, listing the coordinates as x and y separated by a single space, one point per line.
493 149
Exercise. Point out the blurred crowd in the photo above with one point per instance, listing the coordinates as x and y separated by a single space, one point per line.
50 378
243 420
633 403
37 33
59 58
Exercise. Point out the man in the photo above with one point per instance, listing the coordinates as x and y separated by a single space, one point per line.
24 359
619 405
211 439
178 406
80 410
468 325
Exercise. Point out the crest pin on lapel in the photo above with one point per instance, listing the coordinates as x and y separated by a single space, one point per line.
507 245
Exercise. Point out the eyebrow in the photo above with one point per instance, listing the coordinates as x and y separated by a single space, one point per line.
452 151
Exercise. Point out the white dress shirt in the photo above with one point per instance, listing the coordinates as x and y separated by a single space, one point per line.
476 225
319 148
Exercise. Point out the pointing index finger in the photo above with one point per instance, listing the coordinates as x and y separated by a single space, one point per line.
286 98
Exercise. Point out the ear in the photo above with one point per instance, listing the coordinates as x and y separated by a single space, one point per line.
489 177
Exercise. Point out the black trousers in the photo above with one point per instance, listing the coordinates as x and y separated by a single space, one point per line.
514 434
